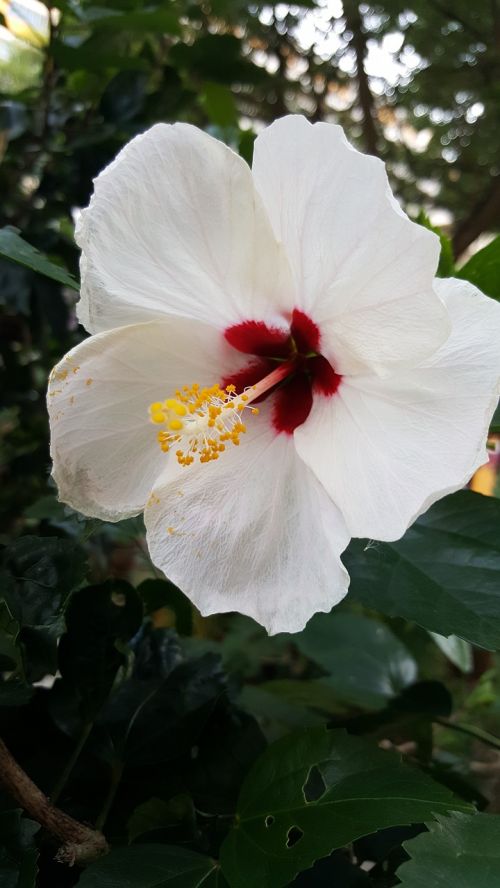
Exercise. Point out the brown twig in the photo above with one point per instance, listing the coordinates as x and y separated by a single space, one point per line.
80 844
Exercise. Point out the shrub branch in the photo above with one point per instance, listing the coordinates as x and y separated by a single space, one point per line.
80 844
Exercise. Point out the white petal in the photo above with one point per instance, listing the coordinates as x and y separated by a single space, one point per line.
253 532
175 227
386 449
103 445
362 270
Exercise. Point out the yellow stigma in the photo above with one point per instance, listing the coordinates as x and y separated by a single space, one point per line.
201 421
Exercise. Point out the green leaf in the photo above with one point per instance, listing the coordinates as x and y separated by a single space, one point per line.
444 574
483 269
317 790
446 266
246 145
14 692
124 96
367 663
96 619
458 651
335 871
150 866
218 102
316 694
217 58
157 814
18 852
277 715
37 576
495 422
9 633
157 594
161 21
154 721
40 573
16 249
459 850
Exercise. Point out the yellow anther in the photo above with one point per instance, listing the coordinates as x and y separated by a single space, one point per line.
209 411
175 405
176 425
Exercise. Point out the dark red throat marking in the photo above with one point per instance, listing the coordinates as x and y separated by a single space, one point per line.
300 343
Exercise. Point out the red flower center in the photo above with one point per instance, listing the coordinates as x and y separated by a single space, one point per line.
312 374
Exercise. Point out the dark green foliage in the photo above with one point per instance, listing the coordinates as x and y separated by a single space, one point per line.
210 754
458 850
366 663
18 851
151 866
483 269
15 249
314 792
442 575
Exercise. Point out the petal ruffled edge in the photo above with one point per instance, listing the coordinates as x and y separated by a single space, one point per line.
254 533
386 449
175 227
363 270
106 458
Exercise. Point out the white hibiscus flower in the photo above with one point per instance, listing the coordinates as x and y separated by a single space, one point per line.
299 286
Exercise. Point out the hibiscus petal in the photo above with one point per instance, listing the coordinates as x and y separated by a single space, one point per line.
362 270
175 226
253 532
104 448
386 449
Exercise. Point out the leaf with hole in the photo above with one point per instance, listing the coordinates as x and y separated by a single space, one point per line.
315 791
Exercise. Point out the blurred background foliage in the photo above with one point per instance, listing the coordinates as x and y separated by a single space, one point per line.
122 702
